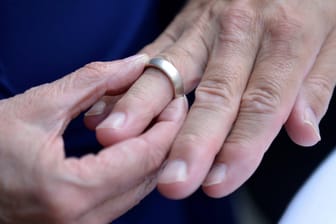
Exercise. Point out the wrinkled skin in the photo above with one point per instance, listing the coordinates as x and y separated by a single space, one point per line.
257 66
39 185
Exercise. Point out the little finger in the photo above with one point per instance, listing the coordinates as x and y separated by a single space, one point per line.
314 98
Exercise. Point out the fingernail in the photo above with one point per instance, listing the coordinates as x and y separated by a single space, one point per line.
175 171
97 109
115 121
217 174
309 119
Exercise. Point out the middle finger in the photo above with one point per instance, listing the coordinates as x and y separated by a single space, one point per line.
217 101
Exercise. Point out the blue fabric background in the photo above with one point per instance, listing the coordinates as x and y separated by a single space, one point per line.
41 41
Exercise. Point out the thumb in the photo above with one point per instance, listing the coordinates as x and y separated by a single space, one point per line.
72 94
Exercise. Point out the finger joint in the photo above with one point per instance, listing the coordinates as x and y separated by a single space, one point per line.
263 100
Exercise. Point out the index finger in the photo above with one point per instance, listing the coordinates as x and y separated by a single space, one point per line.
128 163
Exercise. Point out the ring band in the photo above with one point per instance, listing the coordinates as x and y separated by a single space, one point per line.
171 72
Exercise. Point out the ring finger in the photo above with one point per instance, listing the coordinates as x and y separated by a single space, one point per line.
152 91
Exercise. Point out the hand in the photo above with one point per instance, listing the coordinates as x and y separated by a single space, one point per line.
39 185
259 64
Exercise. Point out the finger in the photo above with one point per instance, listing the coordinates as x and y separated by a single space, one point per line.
167 38
127 163
282 63
216 104
67 97
99 111
170 35
153 91
176 28
315 94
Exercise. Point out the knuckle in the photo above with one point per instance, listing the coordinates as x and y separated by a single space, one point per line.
218 89
90 73
170 36
286 34
285 27
95 67
205 31
263 100
321 82
236 24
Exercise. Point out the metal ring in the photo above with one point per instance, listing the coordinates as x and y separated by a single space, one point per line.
171 72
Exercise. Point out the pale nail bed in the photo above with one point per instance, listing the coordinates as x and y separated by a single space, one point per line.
175 171
217 175
97 109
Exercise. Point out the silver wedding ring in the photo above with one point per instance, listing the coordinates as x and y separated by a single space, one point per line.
171 72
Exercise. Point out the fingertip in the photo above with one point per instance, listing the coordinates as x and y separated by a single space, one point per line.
107 136
226 186
95 114
172 178
218 183
178 181
112 129
302 127
173 191
216 175
216 191
223 187
232 168
176 190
